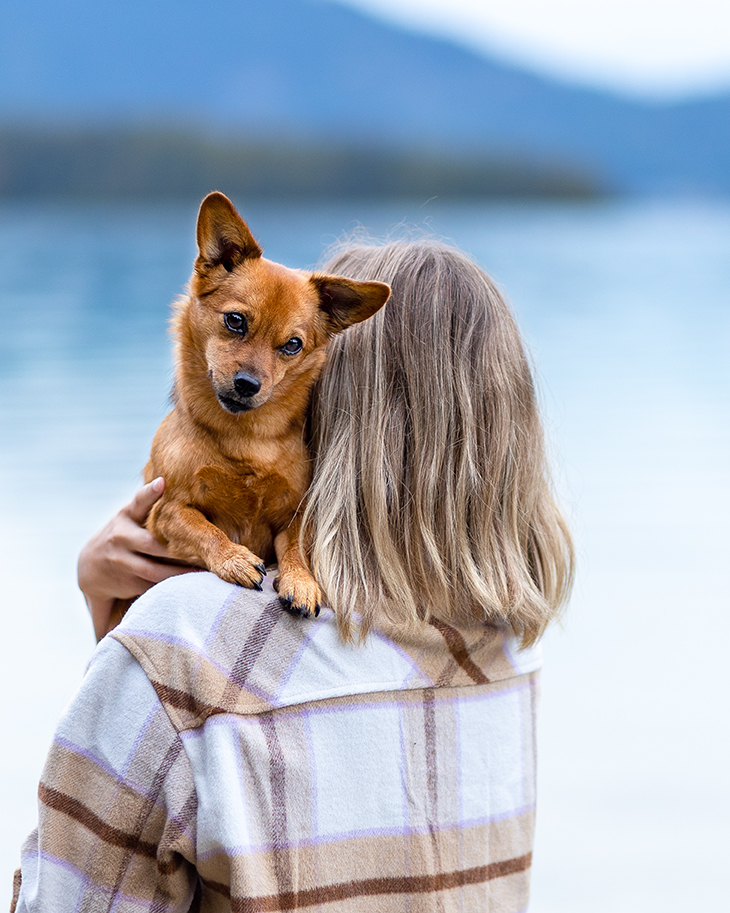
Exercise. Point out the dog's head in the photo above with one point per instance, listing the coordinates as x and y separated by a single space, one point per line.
261 327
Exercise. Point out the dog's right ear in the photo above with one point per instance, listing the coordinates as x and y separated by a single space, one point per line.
223 237
347 301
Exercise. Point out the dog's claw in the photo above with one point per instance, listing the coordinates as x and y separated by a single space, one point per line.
242 568
288 604
299 594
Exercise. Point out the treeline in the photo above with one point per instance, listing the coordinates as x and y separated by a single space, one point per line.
162 163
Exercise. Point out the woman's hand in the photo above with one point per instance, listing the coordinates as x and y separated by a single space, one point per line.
123 560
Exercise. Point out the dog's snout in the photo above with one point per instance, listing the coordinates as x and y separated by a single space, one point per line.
246 384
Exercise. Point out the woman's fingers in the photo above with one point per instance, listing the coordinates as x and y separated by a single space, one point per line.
123 560
141 504
129 535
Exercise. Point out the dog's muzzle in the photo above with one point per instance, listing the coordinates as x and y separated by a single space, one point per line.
246 385
240 398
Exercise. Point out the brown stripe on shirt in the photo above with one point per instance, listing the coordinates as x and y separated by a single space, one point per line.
458 649
254 644
60 802
429 725
177 826
182 700
158 782
371 887
277 767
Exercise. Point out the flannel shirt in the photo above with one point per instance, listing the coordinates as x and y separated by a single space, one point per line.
223 755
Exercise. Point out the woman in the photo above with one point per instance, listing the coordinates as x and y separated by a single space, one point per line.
221 754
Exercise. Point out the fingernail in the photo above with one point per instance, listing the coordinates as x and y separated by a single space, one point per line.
158 484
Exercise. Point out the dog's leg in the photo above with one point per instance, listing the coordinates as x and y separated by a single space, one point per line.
191 536
298 591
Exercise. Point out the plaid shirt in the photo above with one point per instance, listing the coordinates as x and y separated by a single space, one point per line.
222 755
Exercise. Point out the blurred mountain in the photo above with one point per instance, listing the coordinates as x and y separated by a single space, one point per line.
325 75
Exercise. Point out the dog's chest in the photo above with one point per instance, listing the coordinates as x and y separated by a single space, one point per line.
250 505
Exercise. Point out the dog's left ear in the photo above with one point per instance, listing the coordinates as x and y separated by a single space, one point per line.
346 301
223 237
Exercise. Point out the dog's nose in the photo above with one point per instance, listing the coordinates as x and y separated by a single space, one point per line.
246 384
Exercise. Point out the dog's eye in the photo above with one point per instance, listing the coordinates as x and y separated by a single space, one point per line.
293 346
236 323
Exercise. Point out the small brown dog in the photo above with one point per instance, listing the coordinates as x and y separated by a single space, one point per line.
250 343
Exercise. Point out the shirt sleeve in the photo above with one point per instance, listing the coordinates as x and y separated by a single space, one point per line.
117 805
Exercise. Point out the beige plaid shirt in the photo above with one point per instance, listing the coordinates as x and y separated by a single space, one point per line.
222 755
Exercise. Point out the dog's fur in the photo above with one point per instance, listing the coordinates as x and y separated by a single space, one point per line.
232 451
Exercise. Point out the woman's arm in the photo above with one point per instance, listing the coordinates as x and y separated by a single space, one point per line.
123 560
117 802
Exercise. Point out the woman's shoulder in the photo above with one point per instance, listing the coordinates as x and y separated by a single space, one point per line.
209 647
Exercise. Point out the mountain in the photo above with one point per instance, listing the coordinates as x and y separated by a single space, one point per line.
325 74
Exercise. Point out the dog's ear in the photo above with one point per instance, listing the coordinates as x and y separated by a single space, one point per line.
223 237
346 301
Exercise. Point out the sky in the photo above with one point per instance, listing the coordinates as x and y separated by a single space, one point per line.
650 48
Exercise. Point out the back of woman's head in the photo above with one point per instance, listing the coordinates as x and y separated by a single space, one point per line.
430 496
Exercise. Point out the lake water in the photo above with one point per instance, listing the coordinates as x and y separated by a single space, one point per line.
626 309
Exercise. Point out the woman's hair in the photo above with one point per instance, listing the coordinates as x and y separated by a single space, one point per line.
431 496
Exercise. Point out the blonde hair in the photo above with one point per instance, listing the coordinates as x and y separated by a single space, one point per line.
431 497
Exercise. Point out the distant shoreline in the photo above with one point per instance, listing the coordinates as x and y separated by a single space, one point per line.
100 162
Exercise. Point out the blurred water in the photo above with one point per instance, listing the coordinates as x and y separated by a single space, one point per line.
626 309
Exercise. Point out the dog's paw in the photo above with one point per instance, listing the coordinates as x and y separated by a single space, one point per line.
242 567
299 593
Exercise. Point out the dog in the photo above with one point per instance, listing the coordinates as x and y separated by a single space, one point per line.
250 342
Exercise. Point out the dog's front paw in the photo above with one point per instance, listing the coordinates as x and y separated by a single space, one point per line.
299 593
241 567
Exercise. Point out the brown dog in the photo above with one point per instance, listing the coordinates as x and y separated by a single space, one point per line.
250 343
